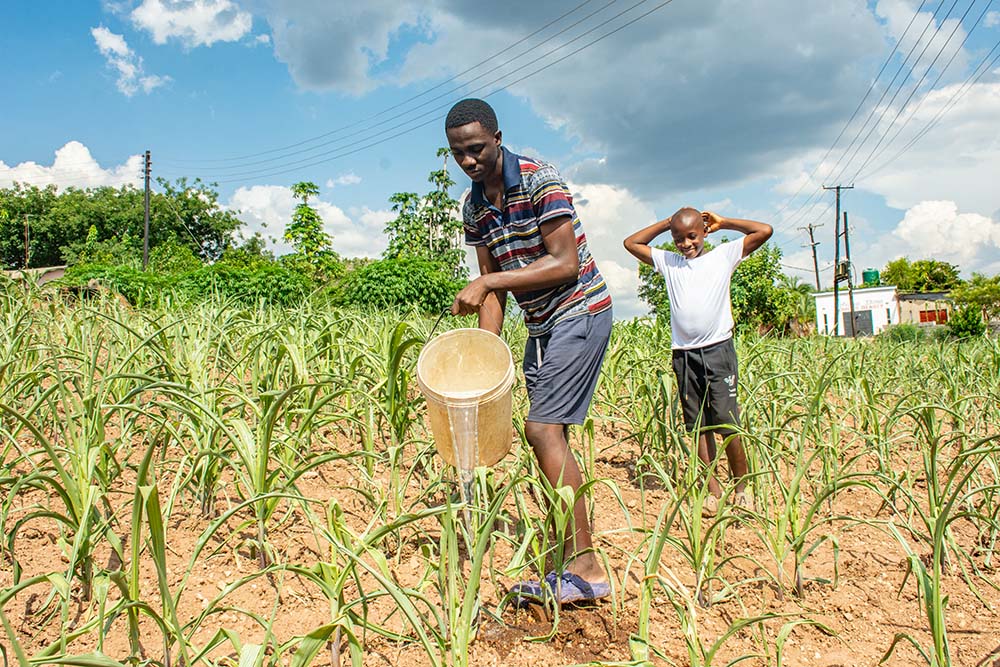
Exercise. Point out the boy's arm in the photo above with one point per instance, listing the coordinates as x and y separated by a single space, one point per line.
757 233
638 243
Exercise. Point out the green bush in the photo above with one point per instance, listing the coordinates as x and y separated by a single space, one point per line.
401 282
966 322
903 333
271 283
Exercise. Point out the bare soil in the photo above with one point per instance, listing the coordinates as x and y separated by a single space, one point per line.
857 594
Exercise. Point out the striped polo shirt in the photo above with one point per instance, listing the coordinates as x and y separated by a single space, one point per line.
534 193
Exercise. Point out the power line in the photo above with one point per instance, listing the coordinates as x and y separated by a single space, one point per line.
953 101
875 107
437 118
932 87
915 87
432 113
864 98
409 99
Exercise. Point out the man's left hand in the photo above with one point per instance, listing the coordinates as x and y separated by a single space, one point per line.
471 298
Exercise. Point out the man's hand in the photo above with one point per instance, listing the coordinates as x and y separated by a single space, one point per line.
471 298
713 222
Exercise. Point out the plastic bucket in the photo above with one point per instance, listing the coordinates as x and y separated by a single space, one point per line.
466 377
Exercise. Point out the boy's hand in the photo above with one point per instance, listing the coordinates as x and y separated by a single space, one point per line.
713 222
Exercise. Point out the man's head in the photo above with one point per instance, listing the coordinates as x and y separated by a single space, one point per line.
474 138
688 229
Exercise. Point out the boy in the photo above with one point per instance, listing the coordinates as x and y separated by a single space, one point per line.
701 327
529 242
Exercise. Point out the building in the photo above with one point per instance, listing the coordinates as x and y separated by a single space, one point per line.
875 308
39 276
927 308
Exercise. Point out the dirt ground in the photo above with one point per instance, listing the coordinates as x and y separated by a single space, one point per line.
852 620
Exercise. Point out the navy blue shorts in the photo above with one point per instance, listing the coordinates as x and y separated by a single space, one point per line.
707 379
561 368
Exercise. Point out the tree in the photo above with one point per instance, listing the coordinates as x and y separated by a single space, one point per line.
428 227
305 232
923 275
60 222
979 292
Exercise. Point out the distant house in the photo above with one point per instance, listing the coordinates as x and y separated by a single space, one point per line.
39 276
876 308
928 308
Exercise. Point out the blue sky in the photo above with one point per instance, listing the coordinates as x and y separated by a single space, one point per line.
720 104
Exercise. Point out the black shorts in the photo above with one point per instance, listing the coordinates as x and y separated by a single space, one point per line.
707 378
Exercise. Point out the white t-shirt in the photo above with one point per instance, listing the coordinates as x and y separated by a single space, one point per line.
698 289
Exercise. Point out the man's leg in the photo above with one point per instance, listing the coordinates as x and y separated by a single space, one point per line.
560 468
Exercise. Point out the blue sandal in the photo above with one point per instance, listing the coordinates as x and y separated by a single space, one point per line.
564 588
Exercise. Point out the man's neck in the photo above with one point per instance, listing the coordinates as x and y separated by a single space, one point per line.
493 183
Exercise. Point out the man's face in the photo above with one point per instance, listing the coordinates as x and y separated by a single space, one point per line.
689 235
476 150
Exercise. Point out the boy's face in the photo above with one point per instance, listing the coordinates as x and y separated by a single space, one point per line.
689 235
476 150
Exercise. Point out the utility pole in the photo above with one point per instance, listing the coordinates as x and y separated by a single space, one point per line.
145 227
27 241
813 243
850 279
836 259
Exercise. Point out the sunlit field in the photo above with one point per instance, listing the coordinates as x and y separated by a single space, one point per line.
221 485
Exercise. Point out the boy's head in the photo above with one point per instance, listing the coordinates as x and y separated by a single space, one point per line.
688 229
474 138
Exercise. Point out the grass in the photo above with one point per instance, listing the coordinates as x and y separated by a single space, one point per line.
118 426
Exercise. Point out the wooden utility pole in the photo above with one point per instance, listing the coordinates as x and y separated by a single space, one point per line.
27 241
145 227
836 258
850 279
812 244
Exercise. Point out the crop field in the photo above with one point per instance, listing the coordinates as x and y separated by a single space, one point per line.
221 485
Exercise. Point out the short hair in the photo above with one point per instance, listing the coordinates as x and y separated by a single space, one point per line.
472 110
687 215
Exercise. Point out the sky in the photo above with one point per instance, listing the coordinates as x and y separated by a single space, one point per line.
645 106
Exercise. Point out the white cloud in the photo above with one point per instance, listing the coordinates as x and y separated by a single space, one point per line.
332 45
131 75
953 161
609 214
73 166
936 229
992 19
349 178
268 208
193 22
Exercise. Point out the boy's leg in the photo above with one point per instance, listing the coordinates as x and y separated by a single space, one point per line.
708 453
557 463
737 458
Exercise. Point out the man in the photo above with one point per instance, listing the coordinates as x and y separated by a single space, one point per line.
529 242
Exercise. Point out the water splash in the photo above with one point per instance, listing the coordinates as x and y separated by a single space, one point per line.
463 420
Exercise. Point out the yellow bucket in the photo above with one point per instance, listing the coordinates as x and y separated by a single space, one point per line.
466 376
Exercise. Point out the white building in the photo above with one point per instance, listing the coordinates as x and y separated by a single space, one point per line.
875 308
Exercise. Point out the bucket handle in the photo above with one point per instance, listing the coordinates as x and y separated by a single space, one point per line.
444 312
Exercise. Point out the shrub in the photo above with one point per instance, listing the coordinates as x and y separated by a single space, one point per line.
903 333
402 282
967 322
